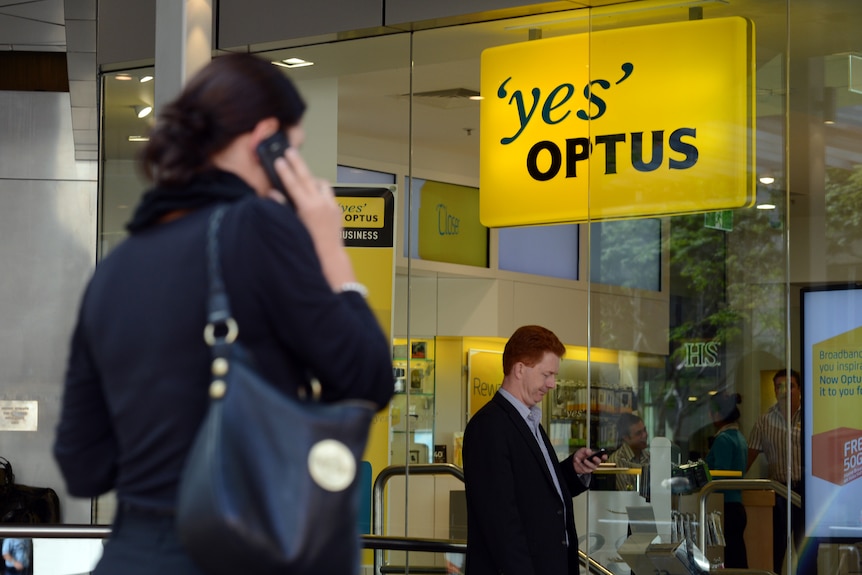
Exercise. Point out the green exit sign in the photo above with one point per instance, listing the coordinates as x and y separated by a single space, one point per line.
722 220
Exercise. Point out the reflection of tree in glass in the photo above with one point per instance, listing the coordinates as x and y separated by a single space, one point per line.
843 215
726 286
626 253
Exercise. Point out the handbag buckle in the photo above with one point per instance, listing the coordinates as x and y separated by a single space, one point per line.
229 336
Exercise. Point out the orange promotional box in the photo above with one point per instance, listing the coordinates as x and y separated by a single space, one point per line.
837 455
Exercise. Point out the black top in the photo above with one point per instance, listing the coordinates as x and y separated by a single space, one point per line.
138 373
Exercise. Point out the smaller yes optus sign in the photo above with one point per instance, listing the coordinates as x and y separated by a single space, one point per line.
625 123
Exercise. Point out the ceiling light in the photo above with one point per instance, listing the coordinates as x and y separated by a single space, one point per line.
142 111
145 79
139 139
692 398
830 103
123 77
765 206
293 63
766 180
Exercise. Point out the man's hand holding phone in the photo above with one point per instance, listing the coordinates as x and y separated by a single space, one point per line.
599 455
587 460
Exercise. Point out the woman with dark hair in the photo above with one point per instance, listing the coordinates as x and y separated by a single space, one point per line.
139 369
729 452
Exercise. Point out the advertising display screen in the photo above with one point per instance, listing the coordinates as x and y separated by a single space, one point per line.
832 406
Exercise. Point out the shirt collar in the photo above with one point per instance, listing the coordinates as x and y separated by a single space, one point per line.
729 426
775 411
523 410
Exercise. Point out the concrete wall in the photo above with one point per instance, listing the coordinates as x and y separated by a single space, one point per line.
48 221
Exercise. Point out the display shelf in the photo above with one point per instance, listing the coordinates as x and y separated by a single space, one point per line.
412 409
415 374
576 410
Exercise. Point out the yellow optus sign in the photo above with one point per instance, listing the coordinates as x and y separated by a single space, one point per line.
624 123
369 236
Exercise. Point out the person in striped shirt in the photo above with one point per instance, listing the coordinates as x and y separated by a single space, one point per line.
769 436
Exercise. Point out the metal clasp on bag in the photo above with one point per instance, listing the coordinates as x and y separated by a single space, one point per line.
229 337
229 330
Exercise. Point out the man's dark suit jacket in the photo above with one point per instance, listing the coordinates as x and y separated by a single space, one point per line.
514 513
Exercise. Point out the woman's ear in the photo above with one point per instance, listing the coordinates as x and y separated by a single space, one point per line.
262 130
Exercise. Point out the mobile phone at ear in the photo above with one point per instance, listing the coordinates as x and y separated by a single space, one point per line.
596 455
269 150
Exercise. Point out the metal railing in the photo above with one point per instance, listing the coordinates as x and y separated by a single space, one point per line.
383 478
64 531
745 485
388 473
378 542
375 541
726 571
433 545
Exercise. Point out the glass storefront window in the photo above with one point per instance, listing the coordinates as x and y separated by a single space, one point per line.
541 250
663 311
626 254
128 97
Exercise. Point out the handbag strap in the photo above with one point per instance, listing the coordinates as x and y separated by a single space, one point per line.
221 329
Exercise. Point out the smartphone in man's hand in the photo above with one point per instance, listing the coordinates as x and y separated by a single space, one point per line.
597 455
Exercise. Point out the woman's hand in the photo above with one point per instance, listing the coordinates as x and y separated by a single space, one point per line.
316 207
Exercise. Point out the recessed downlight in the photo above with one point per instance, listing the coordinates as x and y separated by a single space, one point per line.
143 111
293 63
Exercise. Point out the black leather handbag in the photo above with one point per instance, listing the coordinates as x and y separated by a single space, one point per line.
270 484
25 504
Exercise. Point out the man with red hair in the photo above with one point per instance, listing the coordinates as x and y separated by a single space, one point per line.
520 517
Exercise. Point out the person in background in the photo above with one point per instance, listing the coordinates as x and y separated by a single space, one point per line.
729 452
520 517
17 555
769 436
139 370
632 451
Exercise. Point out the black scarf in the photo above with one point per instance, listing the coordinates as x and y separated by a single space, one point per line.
208 188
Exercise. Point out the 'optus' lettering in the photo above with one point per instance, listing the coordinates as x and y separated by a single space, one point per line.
579 149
